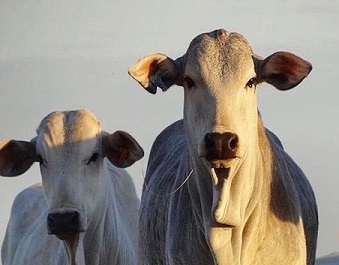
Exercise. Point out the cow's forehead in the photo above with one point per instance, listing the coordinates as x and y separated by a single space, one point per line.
221 51
62 127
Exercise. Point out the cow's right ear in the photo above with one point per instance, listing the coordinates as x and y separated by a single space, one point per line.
157 70
16 157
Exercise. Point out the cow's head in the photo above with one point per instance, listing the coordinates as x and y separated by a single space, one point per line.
219 74
70 147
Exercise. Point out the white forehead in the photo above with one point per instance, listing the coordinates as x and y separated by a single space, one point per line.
219 54
61 127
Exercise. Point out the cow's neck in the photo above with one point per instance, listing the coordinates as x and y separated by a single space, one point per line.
239 197
101 232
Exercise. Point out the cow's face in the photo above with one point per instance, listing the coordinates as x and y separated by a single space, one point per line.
70 154
220 108
220 74
71 147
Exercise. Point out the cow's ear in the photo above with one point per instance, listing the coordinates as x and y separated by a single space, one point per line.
157 70
283 70
121 149
16 157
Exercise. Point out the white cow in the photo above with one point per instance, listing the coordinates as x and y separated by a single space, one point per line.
83 200
246 201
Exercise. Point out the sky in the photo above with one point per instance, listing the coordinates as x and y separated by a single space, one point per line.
60 55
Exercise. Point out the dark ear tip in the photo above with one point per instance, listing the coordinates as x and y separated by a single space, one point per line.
139 154
152 89
142 153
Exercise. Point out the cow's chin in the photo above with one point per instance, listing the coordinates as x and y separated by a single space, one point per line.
74 244
222 164
71 240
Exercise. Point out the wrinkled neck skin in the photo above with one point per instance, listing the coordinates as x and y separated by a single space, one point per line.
225 205
101 243
235 208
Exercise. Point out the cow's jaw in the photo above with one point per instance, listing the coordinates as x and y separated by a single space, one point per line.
219 174
225 200
75 248
71 240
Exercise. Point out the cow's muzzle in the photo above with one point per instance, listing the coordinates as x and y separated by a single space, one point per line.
220 146
64 224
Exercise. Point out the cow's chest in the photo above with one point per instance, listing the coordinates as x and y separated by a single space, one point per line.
185 238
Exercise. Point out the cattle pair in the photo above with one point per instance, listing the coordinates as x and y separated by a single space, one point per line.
219 187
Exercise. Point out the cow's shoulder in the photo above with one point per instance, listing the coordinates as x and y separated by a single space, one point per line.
274 139
28 205
169 144
173 136
284 166
28 209
292 196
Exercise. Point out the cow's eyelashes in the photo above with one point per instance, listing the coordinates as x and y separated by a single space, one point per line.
189 83
93 158
252 82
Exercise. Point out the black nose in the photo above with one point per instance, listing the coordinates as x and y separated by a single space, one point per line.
63 223
221 146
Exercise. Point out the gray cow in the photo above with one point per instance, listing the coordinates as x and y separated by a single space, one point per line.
245 201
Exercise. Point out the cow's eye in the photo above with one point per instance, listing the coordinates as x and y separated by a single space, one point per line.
252 82
189 83
93 158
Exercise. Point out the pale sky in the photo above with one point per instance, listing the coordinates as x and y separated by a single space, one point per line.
57 55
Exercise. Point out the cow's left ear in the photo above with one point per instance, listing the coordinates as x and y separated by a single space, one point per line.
157 70
16 157
121 149
283 70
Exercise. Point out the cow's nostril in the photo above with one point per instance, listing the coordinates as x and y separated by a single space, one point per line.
51 221
209 141
233 142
